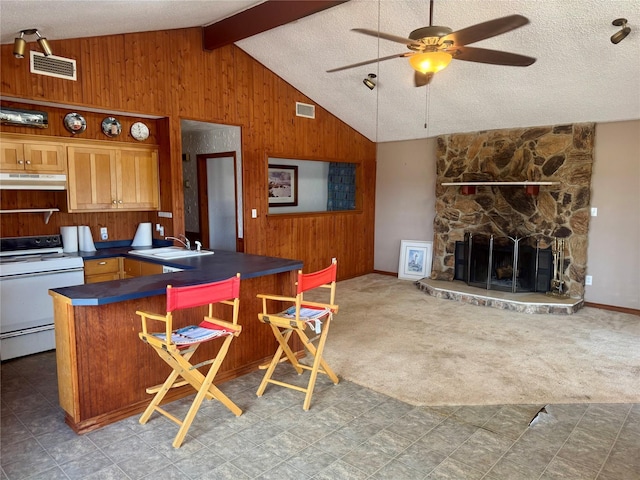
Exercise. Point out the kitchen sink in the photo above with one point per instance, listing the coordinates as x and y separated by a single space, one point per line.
169 253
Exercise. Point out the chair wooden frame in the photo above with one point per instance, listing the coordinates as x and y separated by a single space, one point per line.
177 356
284 323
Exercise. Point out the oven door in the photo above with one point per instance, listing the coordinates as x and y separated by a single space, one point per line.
26 311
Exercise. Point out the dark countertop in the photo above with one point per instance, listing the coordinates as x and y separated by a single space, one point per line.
197 270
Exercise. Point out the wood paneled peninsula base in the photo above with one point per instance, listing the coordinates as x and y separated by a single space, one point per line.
103 367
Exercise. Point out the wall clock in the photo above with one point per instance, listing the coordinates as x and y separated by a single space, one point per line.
139 131
111 127
75 123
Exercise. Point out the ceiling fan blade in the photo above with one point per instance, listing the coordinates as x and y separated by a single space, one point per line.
489 29
386 36
421 79
494 57
368 62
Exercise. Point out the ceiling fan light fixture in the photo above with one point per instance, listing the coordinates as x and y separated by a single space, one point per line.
430 62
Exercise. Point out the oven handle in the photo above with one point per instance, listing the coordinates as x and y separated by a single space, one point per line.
40 274
26 331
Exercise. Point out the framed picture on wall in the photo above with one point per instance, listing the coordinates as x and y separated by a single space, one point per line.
415 259
283 185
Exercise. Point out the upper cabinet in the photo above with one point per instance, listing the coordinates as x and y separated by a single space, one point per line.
106 178
32 154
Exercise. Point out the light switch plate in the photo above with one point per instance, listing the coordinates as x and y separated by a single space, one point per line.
254 213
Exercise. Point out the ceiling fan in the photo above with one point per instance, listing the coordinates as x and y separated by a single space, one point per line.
433 47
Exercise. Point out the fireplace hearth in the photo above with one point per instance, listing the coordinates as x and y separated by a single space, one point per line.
507 264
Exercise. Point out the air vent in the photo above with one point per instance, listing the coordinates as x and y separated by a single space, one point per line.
305 110
53 66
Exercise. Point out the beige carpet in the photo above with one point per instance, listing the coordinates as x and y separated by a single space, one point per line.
395 339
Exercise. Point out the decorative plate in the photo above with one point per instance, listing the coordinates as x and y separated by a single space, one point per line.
111 127
140 131
75 123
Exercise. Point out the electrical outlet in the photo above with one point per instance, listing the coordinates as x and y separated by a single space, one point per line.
594 211
104 234
588 280
254 213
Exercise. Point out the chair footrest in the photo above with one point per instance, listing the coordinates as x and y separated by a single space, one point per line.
288 385
156 388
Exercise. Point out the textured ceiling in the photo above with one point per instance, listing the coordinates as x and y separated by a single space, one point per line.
579 76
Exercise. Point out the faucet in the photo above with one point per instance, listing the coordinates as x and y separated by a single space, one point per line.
184 240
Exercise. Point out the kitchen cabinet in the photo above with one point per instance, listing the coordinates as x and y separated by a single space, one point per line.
107 178
31 153
102 270
138 268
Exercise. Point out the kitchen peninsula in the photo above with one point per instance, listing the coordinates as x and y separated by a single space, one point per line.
104 368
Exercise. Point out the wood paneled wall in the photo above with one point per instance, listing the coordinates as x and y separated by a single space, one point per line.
167 74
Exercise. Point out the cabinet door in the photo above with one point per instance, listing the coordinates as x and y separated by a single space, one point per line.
137 179
139 268
92 179
44 157
102 270
11 155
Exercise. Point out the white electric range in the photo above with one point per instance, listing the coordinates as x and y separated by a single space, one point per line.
29 267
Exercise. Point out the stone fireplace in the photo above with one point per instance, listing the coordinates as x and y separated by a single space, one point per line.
560 155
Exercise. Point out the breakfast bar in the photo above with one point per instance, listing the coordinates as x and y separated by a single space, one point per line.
104 368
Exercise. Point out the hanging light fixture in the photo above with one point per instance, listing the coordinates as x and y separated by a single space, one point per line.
369 81
430 62
619 36
20 44
44 45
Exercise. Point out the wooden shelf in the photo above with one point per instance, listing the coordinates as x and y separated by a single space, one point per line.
47 212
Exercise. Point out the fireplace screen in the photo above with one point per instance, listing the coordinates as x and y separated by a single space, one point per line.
504 263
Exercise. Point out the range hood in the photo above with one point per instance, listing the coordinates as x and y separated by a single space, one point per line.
32 181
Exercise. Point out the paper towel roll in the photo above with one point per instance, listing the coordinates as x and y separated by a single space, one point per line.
69 239
143 237
85 240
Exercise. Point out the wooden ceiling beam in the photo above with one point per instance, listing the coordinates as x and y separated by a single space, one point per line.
258 19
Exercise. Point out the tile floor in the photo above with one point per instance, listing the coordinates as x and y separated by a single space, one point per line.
349 433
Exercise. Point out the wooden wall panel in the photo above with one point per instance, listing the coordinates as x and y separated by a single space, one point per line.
167 74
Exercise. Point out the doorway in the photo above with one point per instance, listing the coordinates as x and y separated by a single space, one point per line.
217 199
212 180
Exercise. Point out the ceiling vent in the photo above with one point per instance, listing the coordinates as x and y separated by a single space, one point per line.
305 110
53 66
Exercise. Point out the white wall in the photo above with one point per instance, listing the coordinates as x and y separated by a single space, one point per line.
613 255
405 198
405 208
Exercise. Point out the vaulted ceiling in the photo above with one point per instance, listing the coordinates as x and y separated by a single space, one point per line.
579 75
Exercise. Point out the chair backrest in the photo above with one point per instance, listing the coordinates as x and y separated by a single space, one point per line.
199 295
309 281
325 278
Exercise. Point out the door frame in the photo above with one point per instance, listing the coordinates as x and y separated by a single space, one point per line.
203 195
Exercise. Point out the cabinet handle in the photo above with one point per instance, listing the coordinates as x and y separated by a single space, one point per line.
102 263
20 162
119 201
114 202
28 162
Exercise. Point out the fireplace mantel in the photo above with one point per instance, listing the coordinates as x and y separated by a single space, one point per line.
496 184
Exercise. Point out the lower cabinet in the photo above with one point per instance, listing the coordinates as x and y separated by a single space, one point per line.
138 268
107 269
102 270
